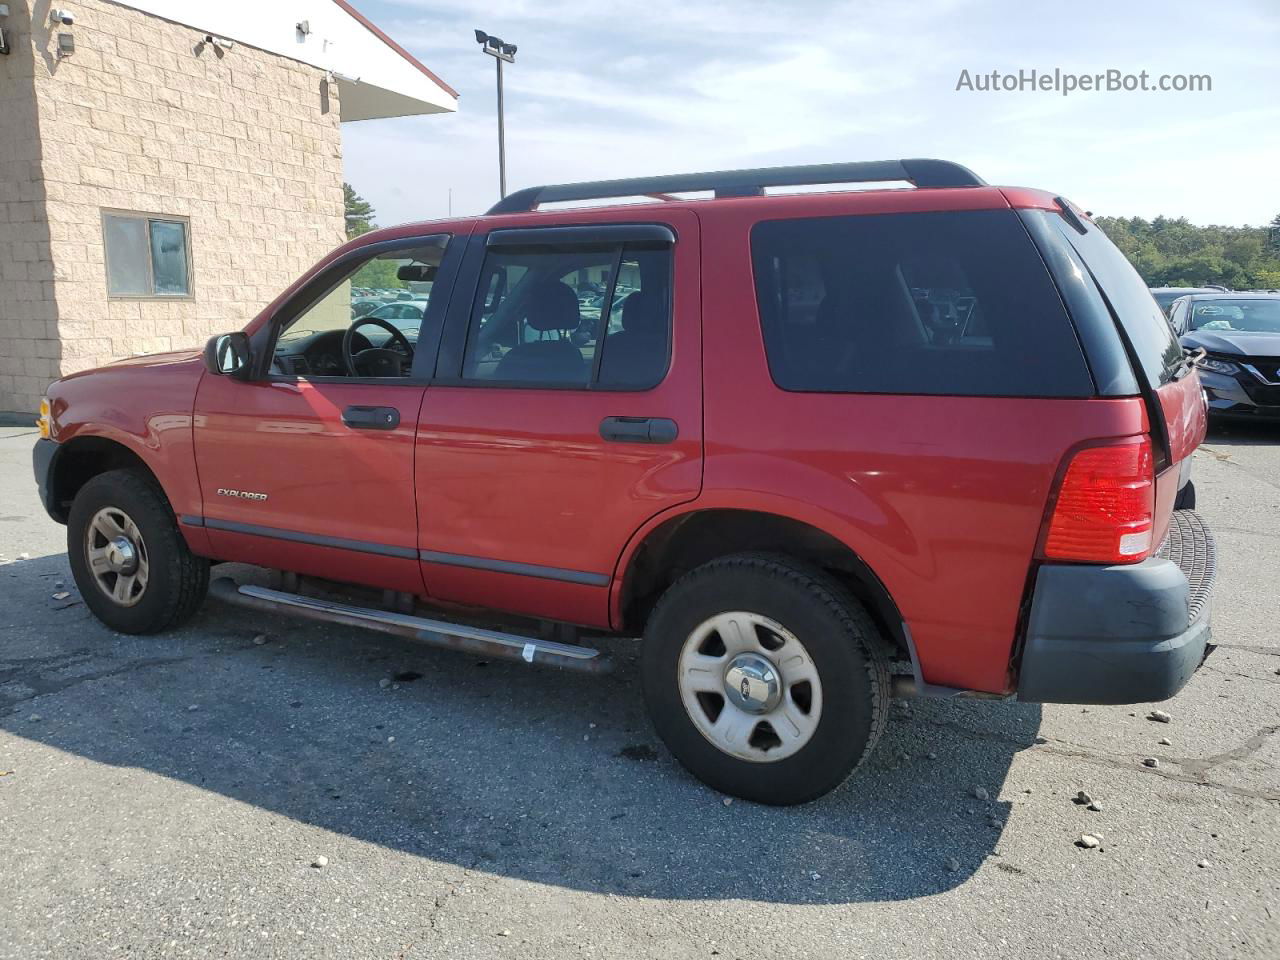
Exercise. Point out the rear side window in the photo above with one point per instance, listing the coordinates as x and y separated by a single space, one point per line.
955 303
1155 347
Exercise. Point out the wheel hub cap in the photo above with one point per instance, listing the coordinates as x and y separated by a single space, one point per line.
750 686
751 683
122 556
117 556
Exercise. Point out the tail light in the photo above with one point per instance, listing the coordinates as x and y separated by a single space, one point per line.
1105 508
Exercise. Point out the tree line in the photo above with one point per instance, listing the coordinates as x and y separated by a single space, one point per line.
1170 252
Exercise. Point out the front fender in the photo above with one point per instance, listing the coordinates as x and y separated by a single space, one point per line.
145 409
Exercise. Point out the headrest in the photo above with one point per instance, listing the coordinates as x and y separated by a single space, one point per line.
554 307
641 313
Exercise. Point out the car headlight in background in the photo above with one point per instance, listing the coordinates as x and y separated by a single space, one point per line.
45 422
1214 365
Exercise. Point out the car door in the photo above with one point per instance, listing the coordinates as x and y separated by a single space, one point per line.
305 467
556 427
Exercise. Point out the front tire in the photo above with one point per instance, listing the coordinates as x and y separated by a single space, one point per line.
129 560
765 678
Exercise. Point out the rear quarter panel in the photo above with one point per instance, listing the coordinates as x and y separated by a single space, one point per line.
1185 415
1186 421
942 497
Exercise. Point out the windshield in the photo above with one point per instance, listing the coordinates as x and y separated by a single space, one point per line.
1241 316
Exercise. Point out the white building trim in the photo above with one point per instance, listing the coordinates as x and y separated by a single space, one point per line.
376 77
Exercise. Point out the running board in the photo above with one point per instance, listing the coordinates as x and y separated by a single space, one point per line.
437 633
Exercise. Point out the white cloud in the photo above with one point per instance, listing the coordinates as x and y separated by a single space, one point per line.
609 90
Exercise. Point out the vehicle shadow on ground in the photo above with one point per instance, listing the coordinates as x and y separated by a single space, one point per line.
1244 432
542 776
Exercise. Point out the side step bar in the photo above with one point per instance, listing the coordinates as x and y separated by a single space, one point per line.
437 633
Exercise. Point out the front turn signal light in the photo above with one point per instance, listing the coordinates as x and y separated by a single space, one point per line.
45 423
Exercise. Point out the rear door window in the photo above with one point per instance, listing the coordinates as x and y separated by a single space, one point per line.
955 303
1155 347
596 317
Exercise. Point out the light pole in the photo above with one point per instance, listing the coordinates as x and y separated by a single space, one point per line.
501 51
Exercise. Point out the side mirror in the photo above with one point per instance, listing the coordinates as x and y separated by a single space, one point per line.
227 355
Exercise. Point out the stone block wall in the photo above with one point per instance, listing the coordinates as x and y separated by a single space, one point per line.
145 117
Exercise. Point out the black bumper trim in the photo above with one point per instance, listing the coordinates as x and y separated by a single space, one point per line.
42 459
1119 634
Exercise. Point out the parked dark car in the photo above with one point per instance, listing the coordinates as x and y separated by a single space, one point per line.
1165 296
1240 334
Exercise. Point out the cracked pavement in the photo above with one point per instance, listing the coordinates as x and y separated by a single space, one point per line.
172 792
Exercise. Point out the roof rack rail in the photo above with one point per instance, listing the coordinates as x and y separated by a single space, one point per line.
747 183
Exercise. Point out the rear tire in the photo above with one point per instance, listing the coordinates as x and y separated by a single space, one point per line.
814 681
129 560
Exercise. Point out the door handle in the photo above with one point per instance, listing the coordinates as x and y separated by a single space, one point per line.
371 418
639 429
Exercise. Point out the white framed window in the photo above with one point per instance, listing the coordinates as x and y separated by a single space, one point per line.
148 255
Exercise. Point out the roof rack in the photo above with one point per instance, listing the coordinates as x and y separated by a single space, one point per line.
747 183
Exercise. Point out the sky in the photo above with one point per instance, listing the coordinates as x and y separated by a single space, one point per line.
602 90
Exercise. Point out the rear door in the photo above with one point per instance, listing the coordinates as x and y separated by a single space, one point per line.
566 411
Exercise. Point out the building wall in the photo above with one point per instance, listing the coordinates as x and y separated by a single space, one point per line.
145 117
29 352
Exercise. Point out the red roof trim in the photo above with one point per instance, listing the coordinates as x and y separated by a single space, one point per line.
374 29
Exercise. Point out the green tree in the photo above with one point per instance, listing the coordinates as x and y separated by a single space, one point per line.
359 212
1169 251
376 274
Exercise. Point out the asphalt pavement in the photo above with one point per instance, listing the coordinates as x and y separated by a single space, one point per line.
168 796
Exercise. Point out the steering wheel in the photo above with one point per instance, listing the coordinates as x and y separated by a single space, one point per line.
377 361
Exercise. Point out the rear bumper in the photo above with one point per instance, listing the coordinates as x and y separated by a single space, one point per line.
1123 634
42 463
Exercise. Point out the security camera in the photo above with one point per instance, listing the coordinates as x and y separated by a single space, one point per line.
221 42
64 17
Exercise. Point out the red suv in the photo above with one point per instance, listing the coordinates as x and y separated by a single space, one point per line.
788 440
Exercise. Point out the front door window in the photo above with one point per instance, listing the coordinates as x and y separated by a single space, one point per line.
369 322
